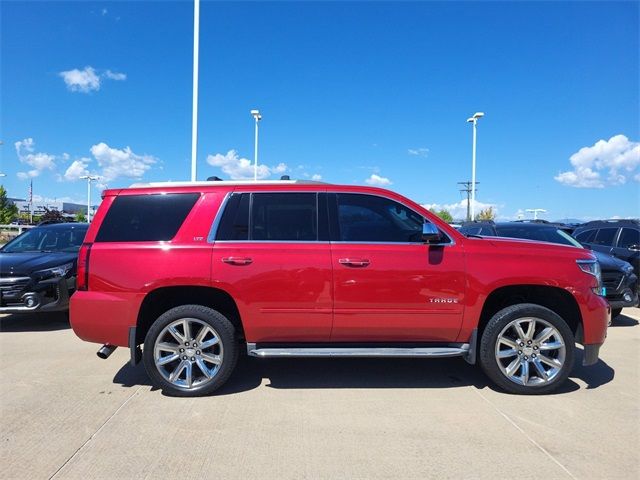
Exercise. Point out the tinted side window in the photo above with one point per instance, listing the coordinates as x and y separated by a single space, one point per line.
629 237
586 236
143 218
605 236
368 218
234 224
284 216
475 230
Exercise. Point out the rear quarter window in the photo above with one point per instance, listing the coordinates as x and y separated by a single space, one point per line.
145 218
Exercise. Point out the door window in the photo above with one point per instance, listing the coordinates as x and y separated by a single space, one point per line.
234 224
586 236
369 218
284 217
605 237
628 237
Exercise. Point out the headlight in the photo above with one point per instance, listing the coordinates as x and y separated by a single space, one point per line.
592 267
628 268
59 271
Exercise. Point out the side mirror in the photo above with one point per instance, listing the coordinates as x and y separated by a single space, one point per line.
430 233
634 248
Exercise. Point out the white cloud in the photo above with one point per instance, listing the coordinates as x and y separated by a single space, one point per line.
420 152
316 177
83 81
39 161
77 169
459 210
87 79
238 168
378 181
115 75
104 11
610 162
120 163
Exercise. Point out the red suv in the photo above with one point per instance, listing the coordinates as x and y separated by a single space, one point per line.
197 272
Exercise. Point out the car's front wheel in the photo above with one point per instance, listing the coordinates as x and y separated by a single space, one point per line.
615 312
190 350
527 349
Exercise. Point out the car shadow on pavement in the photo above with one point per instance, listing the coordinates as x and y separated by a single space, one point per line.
624 321
376 373
35 322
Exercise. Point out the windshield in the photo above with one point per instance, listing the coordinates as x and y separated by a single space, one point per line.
43 239
550 235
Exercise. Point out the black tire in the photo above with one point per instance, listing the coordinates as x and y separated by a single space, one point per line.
225 332
615 312
499 322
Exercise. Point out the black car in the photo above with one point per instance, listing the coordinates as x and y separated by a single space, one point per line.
620 238
38 268
618 277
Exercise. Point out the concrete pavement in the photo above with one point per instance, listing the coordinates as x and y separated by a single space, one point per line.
66 414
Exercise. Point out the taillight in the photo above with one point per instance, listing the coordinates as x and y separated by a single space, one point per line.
82 281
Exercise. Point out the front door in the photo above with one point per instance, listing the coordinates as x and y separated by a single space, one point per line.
388 284
269 255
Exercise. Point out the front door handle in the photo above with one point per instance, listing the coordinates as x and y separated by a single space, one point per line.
354 262
237 260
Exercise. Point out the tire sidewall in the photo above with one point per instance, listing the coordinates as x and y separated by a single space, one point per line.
498 322
213 318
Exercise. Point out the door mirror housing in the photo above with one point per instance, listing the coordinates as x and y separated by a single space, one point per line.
430 233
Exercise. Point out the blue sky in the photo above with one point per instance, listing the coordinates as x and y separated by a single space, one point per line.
351 92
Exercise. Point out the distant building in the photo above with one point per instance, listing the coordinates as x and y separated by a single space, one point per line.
39 208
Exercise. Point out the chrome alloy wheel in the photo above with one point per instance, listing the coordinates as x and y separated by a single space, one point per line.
188 353
530 351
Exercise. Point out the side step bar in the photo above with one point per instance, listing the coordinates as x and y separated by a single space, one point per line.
432 352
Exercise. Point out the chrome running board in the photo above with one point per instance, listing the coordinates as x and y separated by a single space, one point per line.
291 352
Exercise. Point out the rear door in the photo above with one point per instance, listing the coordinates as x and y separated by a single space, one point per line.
388 285
271 253
628 247
604 239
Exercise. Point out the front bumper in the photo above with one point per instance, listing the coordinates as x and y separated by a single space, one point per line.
51 295
627 299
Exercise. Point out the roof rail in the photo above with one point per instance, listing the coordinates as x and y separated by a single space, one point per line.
214 182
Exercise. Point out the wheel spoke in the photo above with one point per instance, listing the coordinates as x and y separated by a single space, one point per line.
552 362
544 334
176 334
215 359
524 376
167 347
186 325
508 342
203 368
201 334
531 329
551 345
168 359
513 367
542 373
210 343
177 371
189 374
507 353
518 328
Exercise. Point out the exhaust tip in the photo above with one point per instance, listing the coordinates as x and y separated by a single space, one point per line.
105 351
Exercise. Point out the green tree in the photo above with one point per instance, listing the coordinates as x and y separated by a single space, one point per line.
445 215
487 214
8 210
81 217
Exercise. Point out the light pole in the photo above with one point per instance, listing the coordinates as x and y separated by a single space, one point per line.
258 117
474 120
194 107
89 179
536 211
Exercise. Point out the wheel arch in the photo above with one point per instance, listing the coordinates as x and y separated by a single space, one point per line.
158 301
556 299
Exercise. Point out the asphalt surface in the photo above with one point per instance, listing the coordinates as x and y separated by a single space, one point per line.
64 413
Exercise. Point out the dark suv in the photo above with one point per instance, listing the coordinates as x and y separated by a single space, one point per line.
620 238
38 268
619 280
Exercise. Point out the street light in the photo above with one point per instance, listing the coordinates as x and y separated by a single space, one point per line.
89 179
194 106
474 120
258 117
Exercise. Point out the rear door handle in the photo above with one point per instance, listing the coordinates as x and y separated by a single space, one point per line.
354 262
237 260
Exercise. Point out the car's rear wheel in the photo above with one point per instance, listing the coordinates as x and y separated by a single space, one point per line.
190 350
527 349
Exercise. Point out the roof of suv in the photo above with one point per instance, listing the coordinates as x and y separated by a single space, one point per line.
622 222
214 183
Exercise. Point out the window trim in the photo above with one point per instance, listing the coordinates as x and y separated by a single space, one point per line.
620 236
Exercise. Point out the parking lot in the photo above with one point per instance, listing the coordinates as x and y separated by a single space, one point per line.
67 414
